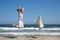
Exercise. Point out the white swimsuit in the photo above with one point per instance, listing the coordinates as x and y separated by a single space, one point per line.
20 20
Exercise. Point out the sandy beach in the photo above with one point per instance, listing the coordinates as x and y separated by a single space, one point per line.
32 38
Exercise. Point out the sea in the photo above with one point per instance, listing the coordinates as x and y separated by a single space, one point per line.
49 29
33 25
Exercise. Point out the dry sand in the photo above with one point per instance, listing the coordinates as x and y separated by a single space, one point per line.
32 38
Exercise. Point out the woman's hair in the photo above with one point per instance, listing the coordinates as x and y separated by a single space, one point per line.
19 10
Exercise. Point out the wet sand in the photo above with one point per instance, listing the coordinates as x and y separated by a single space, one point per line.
32 38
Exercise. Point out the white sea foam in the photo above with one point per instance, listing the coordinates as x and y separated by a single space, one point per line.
3 28
30 33
33 33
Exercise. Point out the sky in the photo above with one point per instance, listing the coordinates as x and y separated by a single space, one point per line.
49 10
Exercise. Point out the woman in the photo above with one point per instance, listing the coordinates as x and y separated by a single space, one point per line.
20 18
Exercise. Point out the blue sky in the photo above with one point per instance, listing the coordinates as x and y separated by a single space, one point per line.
48 9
